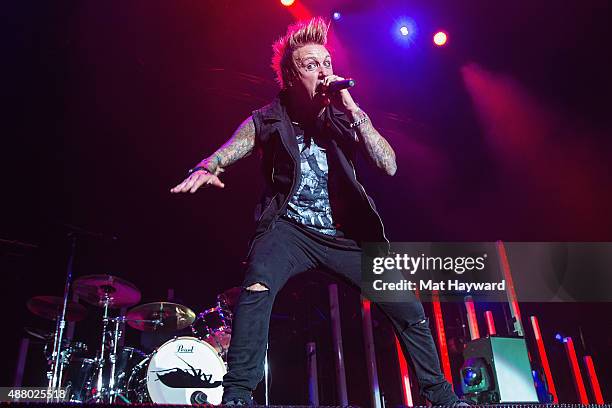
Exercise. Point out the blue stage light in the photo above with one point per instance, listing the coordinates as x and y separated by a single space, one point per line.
404 31
337 16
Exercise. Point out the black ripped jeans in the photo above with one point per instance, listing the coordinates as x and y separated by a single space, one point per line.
286 250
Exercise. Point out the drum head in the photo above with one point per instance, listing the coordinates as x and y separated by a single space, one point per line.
185 367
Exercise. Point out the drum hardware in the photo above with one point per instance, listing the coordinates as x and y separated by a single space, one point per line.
56 373
39 334
214 326
229 298
180 371
108 292
49 307
183 370
61 310
164 316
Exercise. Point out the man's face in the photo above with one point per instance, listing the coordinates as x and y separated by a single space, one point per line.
313 63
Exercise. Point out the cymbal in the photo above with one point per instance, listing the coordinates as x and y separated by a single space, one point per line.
172 315
96 289
39 333
230 296
49 307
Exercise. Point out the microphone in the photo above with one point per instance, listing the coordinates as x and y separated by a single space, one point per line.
339 85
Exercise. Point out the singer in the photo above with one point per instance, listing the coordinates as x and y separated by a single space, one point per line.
313 212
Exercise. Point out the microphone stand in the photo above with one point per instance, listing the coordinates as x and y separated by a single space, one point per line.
56 373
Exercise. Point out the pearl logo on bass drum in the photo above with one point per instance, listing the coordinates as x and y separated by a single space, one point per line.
184 350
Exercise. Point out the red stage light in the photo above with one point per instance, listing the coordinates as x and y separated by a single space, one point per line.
544 358
287 3
490 323
439 320
440 38
471 316
588 361
573 360
406 391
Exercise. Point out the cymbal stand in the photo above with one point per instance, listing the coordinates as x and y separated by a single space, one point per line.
119 322
99 396
113 358
55 379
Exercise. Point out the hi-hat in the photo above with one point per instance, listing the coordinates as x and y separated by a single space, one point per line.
37 333
98 290
160 316
49 307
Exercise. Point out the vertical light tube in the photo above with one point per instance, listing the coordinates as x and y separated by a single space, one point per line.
544 358
573 361
405 378
439 321
21 362
588 361
337 342
490 323
370 351
471 316
313 379
510 292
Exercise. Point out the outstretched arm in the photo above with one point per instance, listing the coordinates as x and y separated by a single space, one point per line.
240 145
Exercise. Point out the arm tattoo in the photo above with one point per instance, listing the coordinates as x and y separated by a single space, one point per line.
240 145
376 147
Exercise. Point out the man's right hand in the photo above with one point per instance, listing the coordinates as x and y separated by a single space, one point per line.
197 179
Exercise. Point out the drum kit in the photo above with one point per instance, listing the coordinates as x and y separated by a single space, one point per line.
183 370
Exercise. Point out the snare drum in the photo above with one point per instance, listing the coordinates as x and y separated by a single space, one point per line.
184 370
214 326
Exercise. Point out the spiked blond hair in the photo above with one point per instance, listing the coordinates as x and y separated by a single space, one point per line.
299 34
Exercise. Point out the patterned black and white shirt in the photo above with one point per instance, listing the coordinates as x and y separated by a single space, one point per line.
309 205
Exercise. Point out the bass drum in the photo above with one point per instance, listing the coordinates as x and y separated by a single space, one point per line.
184 370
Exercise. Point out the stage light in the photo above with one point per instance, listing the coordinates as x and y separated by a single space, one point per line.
287 3
404 31
336 16
475 376
558 337
440 38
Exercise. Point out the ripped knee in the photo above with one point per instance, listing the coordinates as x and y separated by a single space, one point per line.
421 323
257 287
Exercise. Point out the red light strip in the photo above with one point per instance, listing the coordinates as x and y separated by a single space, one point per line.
490 323
544 359
573 360
437 309
406 391
471 316
505 266
588 361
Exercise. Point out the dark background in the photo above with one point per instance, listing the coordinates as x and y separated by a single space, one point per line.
502 134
